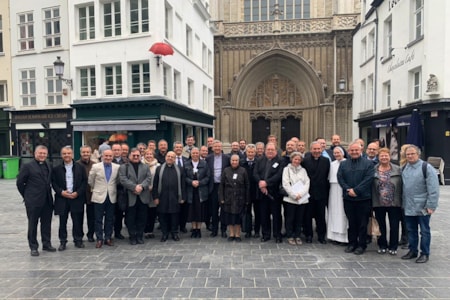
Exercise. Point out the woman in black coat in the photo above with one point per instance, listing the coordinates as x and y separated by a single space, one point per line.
197 182
234 195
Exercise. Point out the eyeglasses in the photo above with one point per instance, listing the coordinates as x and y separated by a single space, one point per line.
135 155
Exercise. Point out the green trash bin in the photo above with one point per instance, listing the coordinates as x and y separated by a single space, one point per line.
10 166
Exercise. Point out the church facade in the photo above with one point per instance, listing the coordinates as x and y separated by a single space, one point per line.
283 68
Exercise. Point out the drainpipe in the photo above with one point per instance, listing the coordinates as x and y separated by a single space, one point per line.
375 79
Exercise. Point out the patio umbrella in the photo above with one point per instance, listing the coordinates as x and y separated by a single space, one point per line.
415 131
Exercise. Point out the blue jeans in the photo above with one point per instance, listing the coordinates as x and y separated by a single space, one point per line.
104 232
412 224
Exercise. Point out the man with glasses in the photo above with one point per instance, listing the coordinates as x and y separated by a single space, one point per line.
86 162
135 178
69 181
420 200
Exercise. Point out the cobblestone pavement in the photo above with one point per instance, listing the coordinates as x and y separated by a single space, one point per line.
213 268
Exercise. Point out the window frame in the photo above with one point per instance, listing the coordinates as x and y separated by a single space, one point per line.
87 82
89 31
57 92
55 27
30 82
417 19
416 84
2 50
3 93
26 40
142 23
116 76
143 85
388 37
115 24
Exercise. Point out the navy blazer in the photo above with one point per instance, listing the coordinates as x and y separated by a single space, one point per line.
59 184
34 187
210 161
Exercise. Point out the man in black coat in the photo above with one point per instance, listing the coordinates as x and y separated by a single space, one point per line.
217 162
249 163
33 183
180 160
317 168
267 173
69 181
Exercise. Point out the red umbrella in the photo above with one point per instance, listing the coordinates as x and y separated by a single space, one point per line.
161 49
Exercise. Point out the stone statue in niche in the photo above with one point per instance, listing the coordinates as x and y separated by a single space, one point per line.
432 84
275 91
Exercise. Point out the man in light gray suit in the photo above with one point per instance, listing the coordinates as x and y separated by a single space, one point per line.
135 177
103 179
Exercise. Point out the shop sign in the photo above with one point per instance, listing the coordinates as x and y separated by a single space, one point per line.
397 63
34 117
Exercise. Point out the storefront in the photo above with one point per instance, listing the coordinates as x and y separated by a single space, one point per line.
137 120
47 127
5 141
391 128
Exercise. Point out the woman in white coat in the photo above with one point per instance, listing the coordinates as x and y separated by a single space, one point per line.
296 184
337 220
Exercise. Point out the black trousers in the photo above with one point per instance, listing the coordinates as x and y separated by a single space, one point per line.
293 219
44 215
90 219
151 218
214 209
136 219
394 216
357 213
270 207
169 223
183 214
119 216
247 226
77 226
315 209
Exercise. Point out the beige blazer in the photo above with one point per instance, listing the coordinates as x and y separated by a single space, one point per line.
100 188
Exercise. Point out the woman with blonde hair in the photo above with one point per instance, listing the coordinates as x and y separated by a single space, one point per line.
150 160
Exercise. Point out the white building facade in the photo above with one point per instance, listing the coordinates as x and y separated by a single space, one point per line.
117 89
401 63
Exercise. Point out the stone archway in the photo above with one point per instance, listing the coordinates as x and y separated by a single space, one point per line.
275 84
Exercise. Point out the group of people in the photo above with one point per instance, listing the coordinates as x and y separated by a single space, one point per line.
247 190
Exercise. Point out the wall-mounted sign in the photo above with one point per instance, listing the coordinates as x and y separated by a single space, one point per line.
397 62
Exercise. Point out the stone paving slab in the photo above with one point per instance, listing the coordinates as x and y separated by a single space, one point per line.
213 268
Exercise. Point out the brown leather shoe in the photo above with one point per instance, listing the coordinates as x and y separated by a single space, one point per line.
109 243
99 244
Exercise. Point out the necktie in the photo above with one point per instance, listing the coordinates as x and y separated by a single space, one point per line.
179 162
108 171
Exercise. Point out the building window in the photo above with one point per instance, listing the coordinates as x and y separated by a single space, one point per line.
388 38
176 85
190 91
26 31
3 93
363 96
210 99
139 20
204 57
210 62
387 94
205 98
371 44
54 88
416 80
140 78
370 92
262 10
113 80
363 50
167 80
86 20
188 41
111 19
168 29
1 35
87 82
52 33
418 19
28 87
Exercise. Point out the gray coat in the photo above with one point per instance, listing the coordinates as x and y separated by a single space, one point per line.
130 180
396 179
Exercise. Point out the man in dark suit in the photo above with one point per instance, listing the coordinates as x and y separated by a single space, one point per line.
180 160
135 178
317 167
249 164
69 181
33 183
267 173
119 214
217 162
86 162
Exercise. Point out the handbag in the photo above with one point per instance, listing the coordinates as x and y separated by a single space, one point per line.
373 228
122 195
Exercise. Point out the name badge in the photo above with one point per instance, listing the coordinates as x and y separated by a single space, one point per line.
275 165
235 176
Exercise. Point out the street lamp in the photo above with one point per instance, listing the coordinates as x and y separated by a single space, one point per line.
58 64
342 84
